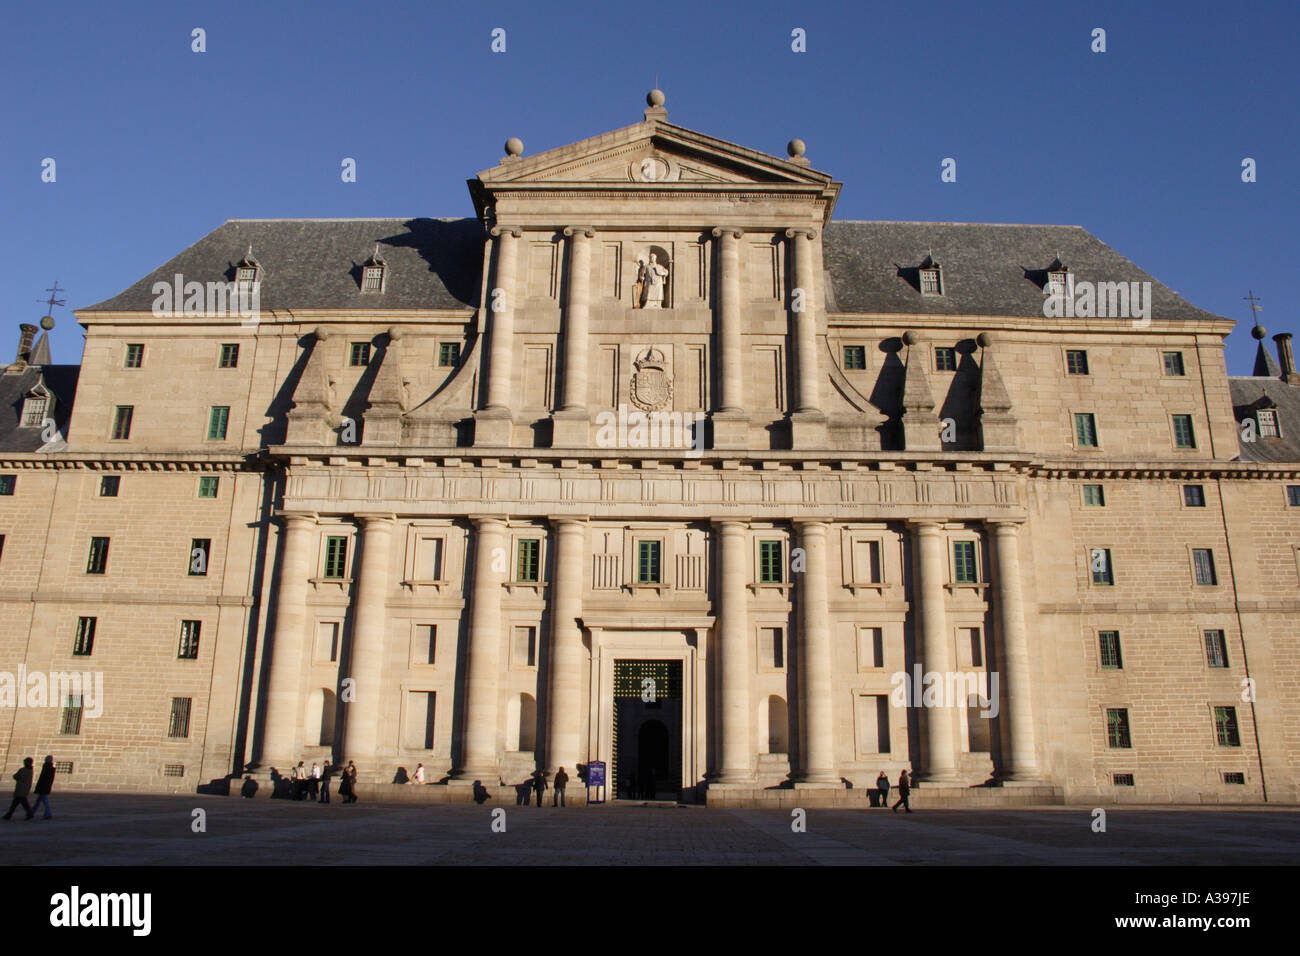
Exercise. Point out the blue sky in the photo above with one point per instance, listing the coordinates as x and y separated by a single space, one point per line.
156 145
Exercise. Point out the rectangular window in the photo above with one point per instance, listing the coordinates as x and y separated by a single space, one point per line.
1117 732
930 282
975 642
122 422
528 561
426 643
70 719
336 555
108 485
1267 419
963 562
200 548
218 418
1122 779
1239 778
1203 562
179 724
1174 363
134 356
945 359
526 646
1085 430
1094 496
1216 649
771 647
1184 436
229 356
1059 284
1076 362
866 562
7 483
359 354
449 353
855 357
372 279
871 647
1111 658
770 562
1225 727
1293 495
647 562
208 486
34 412
1194 496
97 562
84 643
1102 571
189 645
327 641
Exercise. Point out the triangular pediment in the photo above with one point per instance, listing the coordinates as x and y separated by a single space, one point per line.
652 152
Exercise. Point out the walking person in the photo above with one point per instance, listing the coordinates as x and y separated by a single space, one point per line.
419 774
350 772
325 773
299 781
539 785
904 788
882 787
44 784
561 781
22 787
313 782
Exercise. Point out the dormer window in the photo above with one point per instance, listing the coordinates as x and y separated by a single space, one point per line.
1058 279
372 273
930 277
34 411
1267 418
247 272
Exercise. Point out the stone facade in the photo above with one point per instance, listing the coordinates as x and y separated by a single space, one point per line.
440 534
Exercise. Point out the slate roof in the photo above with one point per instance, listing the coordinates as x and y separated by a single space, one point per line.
1246 392
59 379
987 269
316 263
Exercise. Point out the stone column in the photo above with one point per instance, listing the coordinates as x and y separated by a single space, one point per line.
493 423
479 758
564 694
577 311
1020 763
284 702
369 644
804 311
816 713
730 423
934 650
735 659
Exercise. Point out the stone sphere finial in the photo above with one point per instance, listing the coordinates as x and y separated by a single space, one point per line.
395 334
796 148
514 146
910 337
655 98
47 322
984 340
322 333
1259 331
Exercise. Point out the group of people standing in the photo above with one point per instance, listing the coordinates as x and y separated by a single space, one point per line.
904 791
536 783
23 786
315 783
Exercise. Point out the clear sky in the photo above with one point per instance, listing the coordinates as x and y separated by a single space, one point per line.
156 145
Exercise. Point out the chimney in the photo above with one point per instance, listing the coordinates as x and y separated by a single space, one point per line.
1286 359
26 332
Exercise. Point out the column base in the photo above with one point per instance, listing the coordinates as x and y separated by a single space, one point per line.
570 428
1027 778
819 784
734 780
807 430
730 429
493 427
942 777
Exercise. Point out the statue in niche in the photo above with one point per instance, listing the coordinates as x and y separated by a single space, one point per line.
650 282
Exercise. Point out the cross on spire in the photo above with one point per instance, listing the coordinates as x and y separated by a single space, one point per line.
1252 299
52 301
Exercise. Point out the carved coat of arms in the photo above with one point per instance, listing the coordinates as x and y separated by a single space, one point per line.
652 386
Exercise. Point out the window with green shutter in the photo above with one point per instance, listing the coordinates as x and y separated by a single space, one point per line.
647 562
528 561
1225 727
218 418
1117 730
1184 436
770 562
336 556
1111 659
1085 430
963 562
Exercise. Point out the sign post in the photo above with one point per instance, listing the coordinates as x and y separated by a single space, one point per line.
596 781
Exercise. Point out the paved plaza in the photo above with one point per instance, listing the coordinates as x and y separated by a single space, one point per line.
119 829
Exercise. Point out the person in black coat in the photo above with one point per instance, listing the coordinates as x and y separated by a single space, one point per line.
904 788
882 787
539 785
44 784
326 772
22 787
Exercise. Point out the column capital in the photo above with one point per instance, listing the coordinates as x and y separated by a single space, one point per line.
289 517
731 523
513 231
803 523
1005 525
735 232
923 525
568 521
370 519
806 231
483 521
586 232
